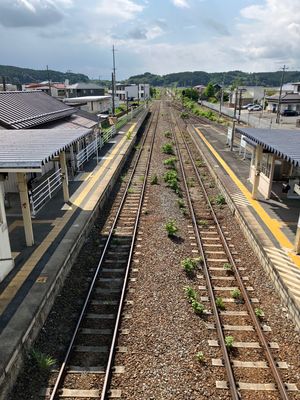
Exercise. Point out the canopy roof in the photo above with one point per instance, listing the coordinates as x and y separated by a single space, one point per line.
285 143
29 149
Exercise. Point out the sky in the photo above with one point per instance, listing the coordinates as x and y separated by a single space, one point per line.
157 36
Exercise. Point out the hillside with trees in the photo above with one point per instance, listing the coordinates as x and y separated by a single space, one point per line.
236 78
17 75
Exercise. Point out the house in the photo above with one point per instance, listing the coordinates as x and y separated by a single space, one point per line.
200 88
139 91
82 89
8 87
55 89
290 100
92 104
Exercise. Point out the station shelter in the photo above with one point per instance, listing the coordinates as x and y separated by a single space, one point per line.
275 164
26 152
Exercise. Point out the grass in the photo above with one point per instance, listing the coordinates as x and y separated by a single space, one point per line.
203 223
154 180
259 312
190 293
227 267
220 303
128 135
200 356
130 190
229 340
181 203
220 200
168 134
236 294
43 361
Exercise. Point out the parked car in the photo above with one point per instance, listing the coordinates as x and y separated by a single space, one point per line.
256 107
245 107
289 113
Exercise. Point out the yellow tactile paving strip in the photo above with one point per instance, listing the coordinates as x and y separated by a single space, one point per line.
79 199
273 224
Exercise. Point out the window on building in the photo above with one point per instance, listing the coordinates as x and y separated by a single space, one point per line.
266 164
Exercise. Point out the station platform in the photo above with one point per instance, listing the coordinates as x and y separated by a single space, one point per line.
28 292
269 224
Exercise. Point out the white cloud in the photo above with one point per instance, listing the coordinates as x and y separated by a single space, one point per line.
271 32
119 9
181 3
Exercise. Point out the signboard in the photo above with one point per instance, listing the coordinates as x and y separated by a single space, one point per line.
229 135
297 189
243 142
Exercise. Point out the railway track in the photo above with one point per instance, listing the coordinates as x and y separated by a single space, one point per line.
90 353
250 364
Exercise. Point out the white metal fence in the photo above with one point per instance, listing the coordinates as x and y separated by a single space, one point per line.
44 191
252 120
86 154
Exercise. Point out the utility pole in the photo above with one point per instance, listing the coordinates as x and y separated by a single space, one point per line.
235 102
114 78
222 95
113 93
4 83
240 104
49 84
280 93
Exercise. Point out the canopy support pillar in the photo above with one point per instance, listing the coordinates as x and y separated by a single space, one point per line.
257 163
25 206
64 175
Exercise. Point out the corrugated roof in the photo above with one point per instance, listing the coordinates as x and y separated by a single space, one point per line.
20 110
31 148
285 143
84 85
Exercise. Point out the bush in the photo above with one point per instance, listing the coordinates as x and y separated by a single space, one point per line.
190 293
167 148
259 312
168 134
171 162
200 356
227 267
191 264
171 227
197 307
236 294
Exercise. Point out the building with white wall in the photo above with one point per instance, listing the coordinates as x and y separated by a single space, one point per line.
132 92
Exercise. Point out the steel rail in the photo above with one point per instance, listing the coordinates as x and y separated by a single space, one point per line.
118 319
274 369
88 296
232 384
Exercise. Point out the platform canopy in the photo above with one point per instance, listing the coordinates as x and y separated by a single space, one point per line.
27 150
285 143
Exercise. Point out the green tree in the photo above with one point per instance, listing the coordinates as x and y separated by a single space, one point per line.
209 91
